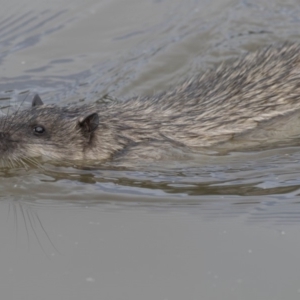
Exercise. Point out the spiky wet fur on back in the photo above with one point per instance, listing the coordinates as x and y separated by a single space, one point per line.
202 112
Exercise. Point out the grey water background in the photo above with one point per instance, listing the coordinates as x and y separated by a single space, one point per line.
224 228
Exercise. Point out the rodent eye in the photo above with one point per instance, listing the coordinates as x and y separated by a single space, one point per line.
39 129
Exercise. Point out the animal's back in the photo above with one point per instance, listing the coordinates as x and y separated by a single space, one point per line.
233 99
250 98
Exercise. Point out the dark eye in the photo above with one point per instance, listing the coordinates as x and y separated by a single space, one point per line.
39 129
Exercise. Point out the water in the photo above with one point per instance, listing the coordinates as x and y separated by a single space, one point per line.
221 227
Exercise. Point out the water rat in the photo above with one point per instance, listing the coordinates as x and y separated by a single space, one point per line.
202 112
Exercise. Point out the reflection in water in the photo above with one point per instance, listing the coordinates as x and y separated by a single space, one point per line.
271 172
257 187
25 217
281 207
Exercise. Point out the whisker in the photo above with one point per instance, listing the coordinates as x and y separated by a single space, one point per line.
24 164
25 223
47 235
36 236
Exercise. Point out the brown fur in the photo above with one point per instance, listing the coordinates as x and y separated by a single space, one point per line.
204 111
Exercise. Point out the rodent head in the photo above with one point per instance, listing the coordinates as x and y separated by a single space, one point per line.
51 132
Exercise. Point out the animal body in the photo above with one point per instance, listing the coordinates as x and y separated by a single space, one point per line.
258 91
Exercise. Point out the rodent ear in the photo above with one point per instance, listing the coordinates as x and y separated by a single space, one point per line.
37 101
89 122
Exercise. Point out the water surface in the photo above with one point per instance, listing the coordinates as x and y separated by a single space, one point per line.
221 227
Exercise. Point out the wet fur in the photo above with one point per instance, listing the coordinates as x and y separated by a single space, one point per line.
203 112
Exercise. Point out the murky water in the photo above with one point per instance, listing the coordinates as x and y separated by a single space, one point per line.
221 227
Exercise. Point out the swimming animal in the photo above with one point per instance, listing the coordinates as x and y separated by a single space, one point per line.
247 100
